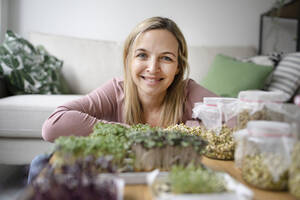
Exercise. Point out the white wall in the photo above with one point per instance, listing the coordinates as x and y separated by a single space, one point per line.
203 22
3 18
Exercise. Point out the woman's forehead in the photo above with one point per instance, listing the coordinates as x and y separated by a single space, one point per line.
158 40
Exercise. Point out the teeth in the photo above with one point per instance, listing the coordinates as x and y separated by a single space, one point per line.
152 80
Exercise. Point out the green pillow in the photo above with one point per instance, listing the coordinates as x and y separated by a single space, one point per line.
228 76
29 70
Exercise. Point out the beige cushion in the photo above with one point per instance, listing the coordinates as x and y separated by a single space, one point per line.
23 115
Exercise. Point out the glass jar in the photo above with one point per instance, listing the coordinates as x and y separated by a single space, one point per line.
294 172
218 130
267 154
259 105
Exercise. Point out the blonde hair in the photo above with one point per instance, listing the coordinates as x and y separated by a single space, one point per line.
173 103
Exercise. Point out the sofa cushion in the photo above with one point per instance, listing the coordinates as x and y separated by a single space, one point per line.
228 76
23 115
286 77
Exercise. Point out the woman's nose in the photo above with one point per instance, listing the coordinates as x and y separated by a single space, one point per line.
153 66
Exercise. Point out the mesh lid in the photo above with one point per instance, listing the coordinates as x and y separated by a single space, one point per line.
216 100
262 96
269 128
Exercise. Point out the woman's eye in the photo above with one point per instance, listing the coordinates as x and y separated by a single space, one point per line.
142 55
166 58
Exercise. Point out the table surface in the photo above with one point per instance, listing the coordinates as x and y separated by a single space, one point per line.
142 192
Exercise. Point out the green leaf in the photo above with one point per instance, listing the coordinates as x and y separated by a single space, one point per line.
28 60
9 34
11 62
3 51
27 68
44 89
17 80
1 69
53 75
27 77
25 43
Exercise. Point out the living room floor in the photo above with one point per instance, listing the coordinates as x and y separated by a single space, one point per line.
13 180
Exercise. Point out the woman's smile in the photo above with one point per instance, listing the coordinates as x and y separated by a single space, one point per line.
152 80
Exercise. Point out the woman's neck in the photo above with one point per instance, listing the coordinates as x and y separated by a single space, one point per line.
150 102
152 108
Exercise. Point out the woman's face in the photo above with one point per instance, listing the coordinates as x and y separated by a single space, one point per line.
154 62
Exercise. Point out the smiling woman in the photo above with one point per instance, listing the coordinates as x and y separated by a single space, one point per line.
153 68
154 91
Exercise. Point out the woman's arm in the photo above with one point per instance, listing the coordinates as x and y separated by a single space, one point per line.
78 117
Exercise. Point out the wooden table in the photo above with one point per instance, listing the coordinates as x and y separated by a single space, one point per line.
142 192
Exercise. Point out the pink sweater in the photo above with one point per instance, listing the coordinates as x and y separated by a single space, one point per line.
105 104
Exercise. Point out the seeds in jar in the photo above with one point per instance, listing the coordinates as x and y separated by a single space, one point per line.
244 117
294 172
219 146
257 173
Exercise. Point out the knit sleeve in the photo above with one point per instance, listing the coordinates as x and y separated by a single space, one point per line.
79 116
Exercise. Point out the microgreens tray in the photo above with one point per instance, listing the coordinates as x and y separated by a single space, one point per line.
235 191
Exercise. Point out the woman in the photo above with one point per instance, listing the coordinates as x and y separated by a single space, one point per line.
154 90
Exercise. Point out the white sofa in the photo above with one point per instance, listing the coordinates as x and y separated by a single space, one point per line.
87 64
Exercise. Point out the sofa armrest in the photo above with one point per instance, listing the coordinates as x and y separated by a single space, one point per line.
3 88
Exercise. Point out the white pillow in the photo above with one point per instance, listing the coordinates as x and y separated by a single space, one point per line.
271 59
260 60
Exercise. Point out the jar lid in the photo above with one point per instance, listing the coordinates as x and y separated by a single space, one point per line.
262 96
216 100
261 128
